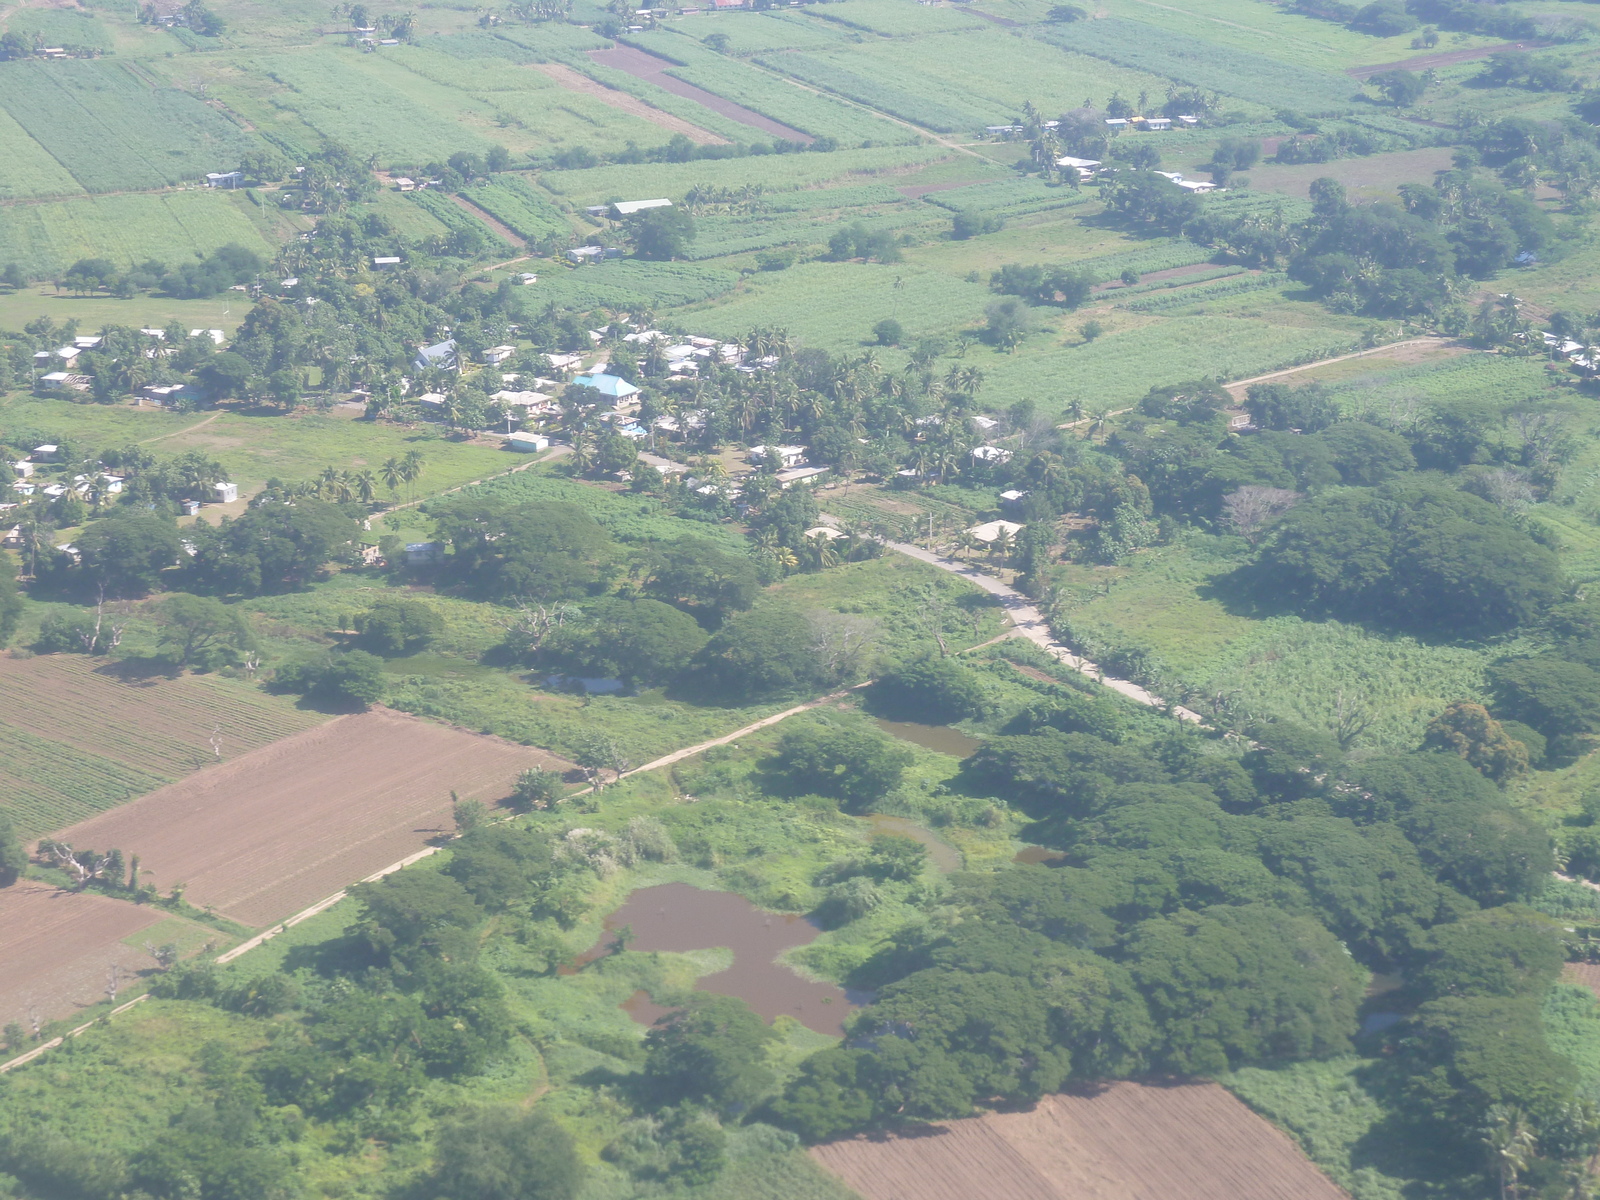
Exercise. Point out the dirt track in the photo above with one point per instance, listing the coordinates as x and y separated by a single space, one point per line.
275 830
1444 58
1128 1142
56 946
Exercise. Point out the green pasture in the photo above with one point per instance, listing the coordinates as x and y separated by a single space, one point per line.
623 284
755 32
900 92
46 238
895 18
30 168
93 313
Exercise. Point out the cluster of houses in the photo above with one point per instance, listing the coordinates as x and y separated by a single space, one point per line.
1115 124
1089 168
61 378
1576 353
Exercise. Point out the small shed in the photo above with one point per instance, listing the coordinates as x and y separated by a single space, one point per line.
225 179
495 355
224 493
627 208
991 454
45 453
527 443
995 531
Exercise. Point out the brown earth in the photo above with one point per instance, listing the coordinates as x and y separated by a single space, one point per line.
1584 975
154 723
1444 58
653 69
1367 177
577 81
1127 1141
501 230
276 830
56 948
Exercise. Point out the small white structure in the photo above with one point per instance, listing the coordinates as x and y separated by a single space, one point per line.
583 254
527 443
24 468
216 335
527 277
1117 122
189 508
824 531
995 531
434 399
1012 496
405 185
87 343
627 208
386 260
1085 167
495 355
796 475
991 454
224 179
45 453
1156 124
787 456
510 399
224 493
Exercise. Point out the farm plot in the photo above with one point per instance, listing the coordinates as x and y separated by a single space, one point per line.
163 726
30 169
275 830
626 284
511 201
44 239
1182 1141
901 93
47 783
1204 64
892 18
112 131
57 946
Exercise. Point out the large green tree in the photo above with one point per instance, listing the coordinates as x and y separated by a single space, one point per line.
505 1153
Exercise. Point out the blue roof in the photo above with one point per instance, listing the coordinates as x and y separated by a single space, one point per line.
607 385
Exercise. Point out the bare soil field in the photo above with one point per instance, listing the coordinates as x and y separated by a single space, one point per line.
159 724
653 69
1368 178
577 81
1444 58
56 948
276 830
1584 975
77 735
1127 1141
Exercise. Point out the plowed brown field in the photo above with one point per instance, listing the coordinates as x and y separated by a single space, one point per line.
56 947
1584 975
1127 1141
278 829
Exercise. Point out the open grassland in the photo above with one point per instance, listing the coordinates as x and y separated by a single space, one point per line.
115 132
17 308
625 284
891 18
751 33
1184 1141
265 835
61 27
1374 177
896 91
56 947
46 238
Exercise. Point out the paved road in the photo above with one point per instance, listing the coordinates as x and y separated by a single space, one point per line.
1031 624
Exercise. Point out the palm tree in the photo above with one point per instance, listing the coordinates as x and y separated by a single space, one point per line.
328 481
1511 1143
366 485
412 466
393 474
582 450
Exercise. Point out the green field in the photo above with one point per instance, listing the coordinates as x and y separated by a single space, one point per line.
50 784
44 239
30 170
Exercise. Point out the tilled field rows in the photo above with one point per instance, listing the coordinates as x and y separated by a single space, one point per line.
274 831
1127 1141
165 727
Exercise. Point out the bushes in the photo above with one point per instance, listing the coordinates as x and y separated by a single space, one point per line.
851 762
931 690
352 680
399 626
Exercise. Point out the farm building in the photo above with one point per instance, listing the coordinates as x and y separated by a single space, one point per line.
786 456
613 386
496 355
527 443
793 475
441 356
386 260
403 184
628 208
224 493
225 179
526 278
46 453
991 454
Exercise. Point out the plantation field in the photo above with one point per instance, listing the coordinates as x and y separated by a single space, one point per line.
778 173
91 312
112 130
1256 79
891 18
46 238
899 93
751 33
770 94
994 72
625 284
276 830
164 726
30 169
523 210
1184 1141
50 783
1374 177
61 27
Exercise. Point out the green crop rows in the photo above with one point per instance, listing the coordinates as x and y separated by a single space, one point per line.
888 90
29 169
1209 291
1204 64
49 784
510 200
113 132
626 284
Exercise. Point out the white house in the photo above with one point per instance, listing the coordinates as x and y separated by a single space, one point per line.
788 456
87 343
386 260
796 475
1155 124
224 493
441 355
509 399
45 453
216 335
225 179
24 469
527 443
405 185
527 277
1085 167
991 454
496 355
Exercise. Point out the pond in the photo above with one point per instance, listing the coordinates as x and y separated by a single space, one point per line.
940 738
945 856
677 917
1039 854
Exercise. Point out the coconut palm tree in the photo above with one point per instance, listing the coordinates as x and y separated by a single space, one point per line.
1511 1143
366 486
393 474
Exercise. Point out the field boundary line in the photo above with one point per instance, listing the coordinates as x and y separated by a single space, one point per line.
23 1059
1323 362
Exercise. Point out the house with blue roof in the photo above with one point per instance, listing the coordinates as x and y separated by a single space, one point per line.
614 386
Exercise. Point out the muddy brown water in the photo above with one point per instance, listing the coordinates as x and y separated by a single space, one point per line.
678 917
939 738
945 856
1038 854
653 69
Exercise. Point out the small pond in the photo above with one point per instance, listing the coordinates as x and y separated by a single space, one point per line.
940 738
945 856
678 917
